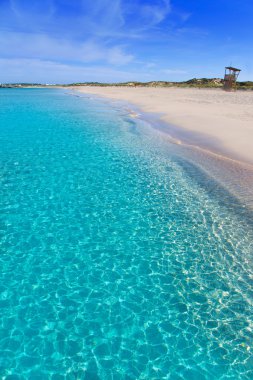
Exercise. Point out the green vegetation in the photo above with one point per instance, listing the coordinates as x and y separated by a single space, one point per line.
192 83
245 85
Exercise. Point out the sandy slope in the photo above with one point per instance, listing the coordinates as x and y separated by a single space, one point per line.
223 121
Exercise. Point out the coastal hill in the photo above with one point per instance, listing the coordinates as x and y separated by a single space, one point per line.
203 82
192 83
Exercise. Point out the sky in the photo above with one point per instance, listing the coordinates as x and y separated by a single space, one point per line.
67 41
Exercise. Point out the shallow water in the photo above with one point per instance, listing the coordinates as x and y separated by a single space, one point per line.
116 262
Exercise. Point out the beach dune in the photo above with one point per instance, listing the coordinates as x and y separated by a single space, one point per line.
221 122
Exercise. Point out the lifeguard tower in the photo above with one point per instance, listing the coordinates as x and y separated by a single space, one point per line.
230 78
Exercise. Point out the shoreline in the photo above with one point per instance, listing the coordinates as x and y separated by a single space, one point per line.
235 175
210 119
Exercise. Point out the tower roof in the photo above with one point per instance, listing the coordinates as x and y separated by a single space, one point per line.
232 68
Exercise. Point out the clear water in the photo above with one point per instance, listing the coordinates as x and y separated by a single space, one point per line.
116 262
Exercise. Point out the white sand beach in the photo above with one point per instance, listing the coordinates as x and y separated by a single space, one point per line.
222 122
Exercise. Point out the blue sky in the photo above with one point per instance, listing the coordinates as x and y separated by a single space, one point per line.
67 41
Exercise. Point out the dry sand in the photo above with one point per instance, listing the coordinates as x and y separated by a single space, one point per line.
219 121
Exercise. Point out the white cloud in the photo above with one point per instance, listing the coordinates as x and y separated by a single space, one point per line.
41 46
156 12
117 56
39 10
174 71
142 17
41 71
120 17
103 16
95 18
150 65
185 16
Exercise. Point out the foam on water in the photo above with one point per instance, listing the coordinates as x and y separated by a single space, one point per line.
116 263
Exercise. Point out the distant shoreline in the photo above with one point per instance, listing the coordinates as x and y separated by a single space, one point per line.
191 83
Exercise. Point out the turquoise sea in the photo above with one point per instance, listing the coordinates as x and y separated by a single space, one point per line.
120 259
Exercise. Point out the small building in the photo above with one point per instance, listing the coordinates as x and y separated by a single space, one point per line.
230 78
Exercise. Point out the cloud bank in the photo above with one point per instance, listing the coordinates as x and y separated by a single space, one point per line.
159 39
